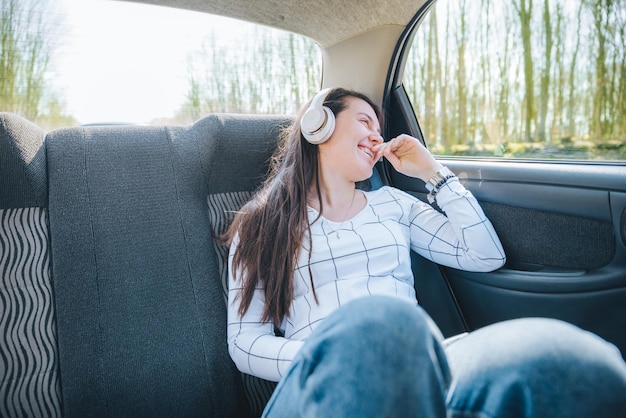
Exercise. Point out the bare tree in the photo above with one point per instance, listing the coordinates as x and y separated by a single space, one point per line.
524 11
24 56
544 84
558 90
430 80
462 41
503 85
223 79
571 102
599 10
620 54
443 77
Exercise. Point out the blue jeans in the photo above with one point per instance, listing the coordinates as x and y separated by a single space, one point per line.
380 357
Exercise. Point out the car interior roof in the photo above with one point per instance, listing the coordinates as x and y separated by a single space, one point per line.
326 21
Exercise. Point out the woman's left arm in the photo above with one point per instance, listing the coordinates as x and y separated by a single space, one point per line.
463 238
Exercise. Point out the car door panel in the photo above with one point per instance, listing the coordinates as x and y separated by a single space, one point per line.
562 227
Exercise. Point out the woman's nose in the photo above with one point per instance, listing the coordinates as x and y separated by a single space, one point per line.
376 139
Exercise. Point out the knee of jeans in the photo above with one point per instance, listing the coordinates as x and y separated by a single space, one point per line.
538 358
388 317
553 337
396 336
568 343
542 345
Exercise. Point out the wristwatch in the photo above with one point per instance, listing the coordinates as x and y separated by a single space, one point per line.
437 181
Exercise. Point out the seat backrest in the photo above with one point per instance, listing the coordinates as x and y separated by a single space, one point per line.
138 280
29 380
139 300
134 320
239 163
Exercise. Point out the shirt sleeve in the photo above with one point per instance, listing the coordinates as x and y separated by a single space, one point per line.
462 237
252 343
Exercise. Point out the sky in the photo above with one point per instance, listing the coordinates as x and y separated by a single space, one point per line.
119 61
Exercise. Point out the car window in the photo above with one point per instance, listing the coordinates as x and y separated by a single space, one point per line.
521 79
74 62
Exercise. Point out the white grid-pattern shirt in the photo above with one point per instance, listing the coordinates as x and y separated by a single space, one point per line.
366 255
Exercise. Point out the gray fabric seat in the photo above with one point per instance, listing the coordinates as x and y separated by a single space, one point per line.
29 379
140 308
244 150
113 289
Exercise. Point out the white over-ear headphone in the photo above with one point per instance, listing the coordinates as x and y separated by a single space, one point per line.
318 122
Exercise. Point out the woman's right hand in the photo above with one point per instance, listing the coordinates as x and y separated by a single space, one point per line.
409 157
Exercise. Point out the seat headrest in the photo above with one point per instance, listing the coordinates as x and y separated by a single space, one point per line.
237 149
23 181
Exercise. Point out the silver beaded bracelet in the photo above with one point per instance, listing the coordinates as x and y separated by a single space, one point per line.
437 181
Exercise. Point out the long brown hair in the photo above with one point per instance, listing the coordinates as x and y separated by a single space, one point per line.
271 227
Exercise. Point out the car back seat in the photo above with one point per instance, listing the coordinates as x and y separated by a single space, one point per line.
139 297
134 323
29 381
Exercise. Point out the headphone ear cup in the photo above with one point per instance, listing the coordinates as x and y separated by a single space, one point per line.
318 124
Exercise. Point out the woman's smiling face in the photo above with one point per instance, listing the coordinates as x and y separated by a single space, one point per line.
348 151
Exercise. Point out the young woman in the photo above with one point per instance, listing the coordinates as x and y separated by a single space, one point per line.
321 293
